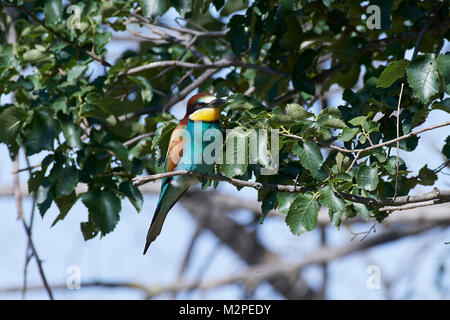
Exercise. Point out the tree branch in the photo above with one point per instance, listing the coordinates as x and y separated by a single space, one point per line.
443 195
224 63
28 233
406 136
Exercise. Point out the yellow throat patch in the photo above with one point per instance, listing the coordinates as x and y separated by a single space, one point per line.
205 114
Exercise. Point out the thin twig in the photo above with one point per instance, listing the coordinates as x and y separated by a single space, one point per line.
397 162
406 136
30 240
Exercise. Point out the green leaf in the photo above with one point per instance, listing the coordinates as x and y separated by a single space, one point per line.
65 180
348 134
64 204
104 207
268 202
296 111
329 121
331 200
74 74
348 79
303 83
427 177
285 200
10 122
44 196
367 177
358 121
293 113
395 70
444 105
35 56
144 85
236 35
444 70
335 204
41 135
133 194
88 229
184 6
53 10
236 159
120 152
362 210
310 156
101 40
71 132
303 213
423 77
153 8
446 148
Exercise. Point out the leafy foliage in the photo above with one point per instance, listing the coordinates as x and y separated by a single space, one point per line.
85 126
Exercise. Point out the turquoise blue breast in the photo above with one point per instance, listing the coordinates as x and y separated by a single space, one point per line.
198 136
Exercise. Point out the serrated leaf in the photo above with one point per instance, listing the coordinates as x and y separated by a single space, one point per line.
444 70
395 70
104 207
331 200
268 202
65 180
446 148
427 177
236 35
10 123
362 210
443 105
145 86
285 200
348 134
53 10
367 177
153 8
358 121
236 160
296 111
423 77
41 134
330 121
303 213
44 196
64 204
133 194
88 229
310 156
71 132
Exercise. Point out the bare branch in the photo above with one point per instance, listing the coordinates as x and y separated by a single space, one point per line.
215 65
28 233
262 272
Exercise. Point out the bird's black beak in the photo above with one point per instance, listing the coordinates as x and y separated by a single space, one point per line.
217 103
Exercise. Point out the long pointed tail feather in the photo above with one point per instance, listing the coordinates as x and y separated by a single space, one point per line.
169 196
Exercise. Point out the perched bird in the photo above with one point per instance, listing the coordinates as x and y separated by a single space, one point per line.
202 111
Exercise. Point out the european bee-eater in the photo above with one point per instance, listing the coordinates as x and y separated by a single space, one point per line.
184 147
